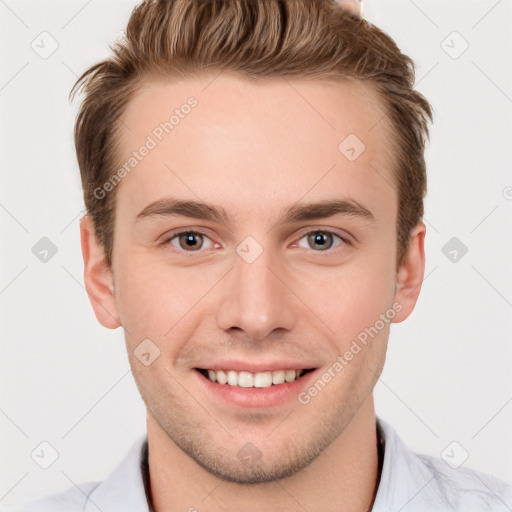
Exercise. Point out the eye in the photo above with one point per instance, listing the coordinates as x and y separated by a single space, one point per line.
322 240
191 241
188 241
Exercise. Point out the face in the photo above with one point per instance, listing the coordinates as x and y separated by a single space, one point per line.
255 241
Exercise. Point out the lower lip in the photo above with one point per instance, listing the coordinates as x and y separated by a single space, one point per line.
256 397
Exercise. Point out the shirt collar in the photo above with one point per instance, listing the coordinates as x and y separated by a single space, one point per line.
403 475
123 490
127 488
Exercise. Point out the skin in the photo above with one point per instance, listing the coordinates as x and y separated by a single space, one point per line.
255 149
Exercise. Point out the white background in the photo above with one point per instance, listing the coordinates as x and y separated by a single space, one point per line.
65 379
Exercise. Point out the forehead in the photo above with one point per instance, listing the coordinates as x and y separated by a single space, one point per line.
264 143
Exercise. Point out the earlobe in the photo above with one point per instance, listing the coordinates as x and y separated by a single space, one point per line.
98 278
410 274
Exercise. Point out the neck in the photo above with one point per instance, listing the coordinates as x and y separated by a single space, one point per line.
344 476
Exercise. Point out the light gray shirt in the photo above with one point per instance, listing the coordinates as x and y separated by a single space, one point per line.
409 483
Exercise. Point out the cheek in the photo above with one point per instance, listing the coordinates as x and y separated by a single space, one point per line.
349 298
154 298
366 299
139 298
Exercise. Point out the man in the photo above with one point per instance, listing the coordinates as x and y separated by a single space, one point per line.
254 178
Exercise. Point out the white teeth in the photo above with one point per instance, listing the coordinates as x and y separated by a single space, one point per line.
256 380
222 378
232 378
278 377
245 379
263 380
289 375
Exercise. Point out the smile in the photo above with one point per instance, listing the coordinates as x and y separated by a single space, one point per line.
253 380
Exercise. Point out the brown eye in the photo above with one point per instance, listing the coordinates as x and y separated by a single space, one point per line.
190 240
187 241
320 239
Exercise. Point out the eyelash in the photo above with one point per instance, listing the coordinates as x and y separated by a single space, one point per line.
177 233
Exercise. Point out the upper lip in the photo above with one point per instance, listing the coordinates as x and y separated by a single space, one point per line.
257 366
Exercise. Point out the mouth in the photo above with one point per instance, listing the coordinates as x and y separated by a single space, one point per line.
245 379
256 384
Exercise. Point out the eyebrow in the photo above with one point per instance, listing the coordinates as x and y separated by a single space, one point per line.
299 212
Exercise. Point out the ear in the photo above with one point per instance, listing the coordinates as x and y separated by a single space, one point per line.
98 277
409 276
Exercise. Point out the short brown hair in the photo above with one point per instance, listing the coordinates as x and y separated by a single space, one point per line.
252 39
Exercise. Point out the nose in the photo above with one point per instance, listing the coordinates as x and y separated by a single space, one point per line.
256 298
